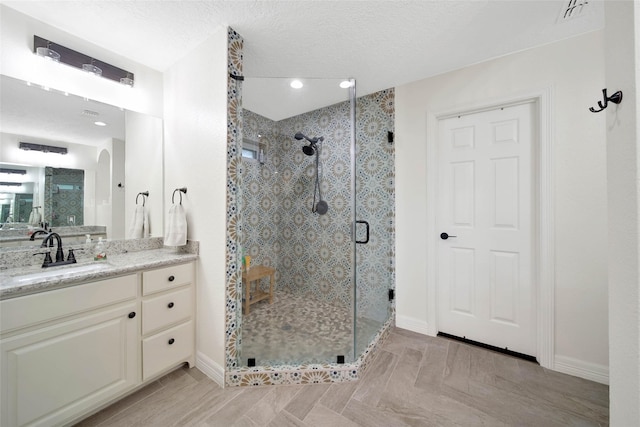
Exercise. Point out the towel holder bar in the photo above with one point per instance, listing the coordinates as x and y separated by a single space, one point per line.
181 190
144 195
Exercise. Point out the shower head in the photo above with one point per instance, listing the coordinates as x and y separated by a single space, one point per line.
299 136
309 150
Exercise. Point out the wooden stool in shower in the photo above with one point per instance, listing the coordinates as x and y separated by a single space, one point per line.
255 274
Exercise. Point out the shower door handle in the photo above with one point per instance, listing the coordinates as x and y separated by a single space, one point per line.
366 240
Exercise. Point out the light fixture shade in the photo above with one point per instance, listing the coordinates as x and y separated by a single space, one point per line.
27 146
126 81
90 68
48 53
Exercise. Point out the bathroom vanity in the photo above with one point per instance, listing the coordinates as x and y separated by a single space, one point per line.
74 342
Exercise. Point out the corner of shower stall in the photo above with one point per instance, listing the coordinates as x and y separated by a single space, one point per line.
315 209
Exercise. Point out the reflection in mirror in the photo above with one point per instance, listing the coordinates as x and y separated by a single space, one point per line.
93 133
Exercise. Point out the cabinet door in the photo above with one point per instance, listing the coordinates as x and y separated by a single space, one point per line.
52 374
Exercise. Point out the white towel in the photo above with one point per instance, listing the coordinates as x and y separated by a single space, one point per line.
34 217
176 233
137 230
146 229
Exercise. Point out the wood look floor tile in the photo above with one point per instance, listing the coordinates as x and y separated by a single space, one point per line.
121 405
338 395
434 364
321 416
237 407
371 416
457 371
304 401
375 378
245 422
405 372
285 419
413 381
266 409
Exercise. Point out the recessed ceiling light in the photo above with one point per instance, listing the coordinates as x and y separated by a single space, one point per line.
296 84
345 84
99 123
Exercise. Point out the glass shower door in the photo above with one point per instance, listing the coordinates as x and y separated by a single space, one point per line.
374 210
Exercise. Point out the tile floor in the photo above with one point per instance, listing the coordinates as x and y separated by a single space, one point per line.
414 381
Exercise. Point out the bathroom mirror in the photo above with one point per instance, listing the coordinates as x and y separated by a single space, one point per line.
103 143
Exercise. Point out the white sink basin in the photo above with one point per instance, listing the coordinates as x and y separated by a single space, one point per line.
58 272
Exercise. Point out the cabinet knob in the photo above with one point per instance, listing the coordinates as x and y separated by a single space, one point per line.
172 278
171 341
132 315
170 305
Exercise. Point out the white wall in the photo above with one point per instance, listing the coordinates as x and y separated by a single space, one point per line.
195 157
573 72
623 159
143 159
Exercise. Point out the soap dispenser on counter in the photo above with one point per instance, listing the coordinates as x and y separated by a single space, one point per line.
100 251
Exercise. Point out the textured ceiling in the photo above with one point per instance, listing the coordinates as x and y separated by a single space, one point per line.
380 43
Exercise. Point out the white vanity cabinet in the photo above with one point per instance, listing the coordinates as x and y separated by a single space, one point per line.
65 351
68 352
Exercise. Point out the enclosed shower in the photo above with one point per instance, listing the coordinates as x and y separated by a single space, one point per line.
319 211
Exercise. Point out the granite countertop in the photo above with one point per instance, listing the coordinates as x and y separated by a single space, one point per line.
19 281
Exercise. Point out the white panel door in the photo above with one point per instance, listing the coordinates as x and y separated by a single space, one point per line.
485 196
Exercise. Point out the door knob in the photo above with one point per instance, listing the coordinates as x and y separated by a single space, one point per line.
445 236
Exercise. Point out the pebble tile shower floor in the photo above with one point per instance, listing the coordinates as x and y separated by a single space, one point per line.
299 329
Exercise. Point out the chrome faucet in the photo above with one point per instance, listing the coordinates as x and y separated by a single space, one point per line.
71 259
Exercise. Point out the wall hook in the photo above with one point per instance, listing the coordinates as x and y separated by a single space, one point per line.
616 98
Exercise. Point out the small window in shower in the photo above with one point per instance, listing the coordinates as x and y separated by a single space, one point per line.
250 149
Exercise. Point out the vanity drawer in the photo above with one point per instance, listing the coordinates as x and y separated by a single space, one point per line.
51 305
163 310
168 348
166 278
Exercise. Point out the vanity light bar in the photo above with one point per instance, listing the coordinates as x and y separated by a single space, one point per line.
16 171
27 146
82 61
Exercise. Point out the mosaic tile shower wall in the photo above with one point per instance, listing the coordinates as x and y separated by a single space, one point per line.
312 253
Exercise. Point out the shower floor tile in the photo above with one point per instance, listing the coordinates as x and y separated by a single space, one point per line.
296 329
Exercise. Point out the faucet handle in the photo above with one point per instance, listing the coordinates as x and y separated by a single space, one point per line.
71 257
47 258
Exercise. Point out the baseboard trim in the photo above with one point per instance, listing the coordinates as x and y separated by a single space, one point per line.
582 369
412 324
210 368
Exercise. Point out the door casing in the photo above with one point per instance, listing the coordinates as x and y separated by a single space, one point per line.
543 225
